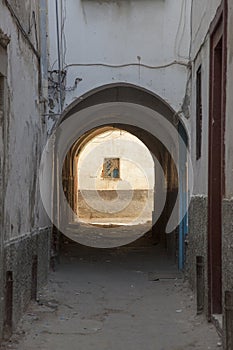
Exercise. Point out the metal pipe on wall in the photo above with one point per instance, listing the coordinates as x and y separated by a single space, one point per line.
59 57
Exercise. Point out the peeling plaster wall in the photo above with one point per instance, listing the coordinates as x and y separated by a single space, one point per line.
25 133
24 10
122 32
24 226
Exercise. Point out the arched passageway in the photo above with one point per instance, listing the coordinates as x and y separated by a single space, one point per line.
165 188
152 121
114 179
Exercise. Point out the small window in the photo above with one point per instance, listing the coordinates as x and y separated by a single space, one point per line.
111 168
198 113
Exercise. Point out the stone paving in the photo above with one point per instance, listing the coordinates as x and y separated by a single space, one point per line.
130 298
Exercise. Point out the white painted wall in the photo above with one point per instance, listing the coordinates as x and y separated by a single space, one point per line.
203 13
200 166
136 163
150 32
24 131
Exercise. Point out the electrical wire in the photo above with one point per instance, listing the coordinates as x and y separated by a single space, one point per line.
175 62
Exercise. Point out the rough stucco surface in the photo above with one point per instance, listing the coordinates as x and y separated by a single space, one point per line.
227 245
23 132
18 259
197 241
227 250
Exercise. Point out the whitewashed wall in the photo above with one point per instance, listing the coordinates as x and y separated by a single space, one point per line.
151 32
200 166
203 12
24 131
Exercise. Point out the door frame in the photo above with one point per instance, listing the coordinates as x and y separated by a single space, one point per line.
218 34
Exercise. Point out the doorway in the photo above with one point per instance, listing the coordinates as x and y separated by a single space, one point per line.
216 162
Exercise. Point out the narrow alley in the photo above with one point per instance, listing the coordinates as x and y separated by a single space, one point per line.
130 298
116 174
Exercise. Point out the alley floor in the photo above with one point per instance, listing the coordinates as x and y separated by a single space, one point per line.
129 298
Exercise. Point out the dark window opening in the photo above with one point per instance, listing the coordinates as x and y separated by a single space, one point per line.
198 113
34 278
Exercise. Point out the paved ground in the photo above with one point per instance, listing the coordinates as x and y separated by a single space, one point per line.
101 235
118 299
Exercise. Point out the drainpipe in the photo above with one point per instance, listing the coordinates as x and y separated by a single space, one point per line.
56 199
59 57
183 227
44 53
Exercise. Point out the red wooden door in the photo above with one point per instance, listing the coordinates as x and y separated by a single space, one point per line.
216 162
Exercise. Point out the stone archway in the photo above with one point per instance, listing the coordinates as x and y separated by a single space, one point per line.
101 102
